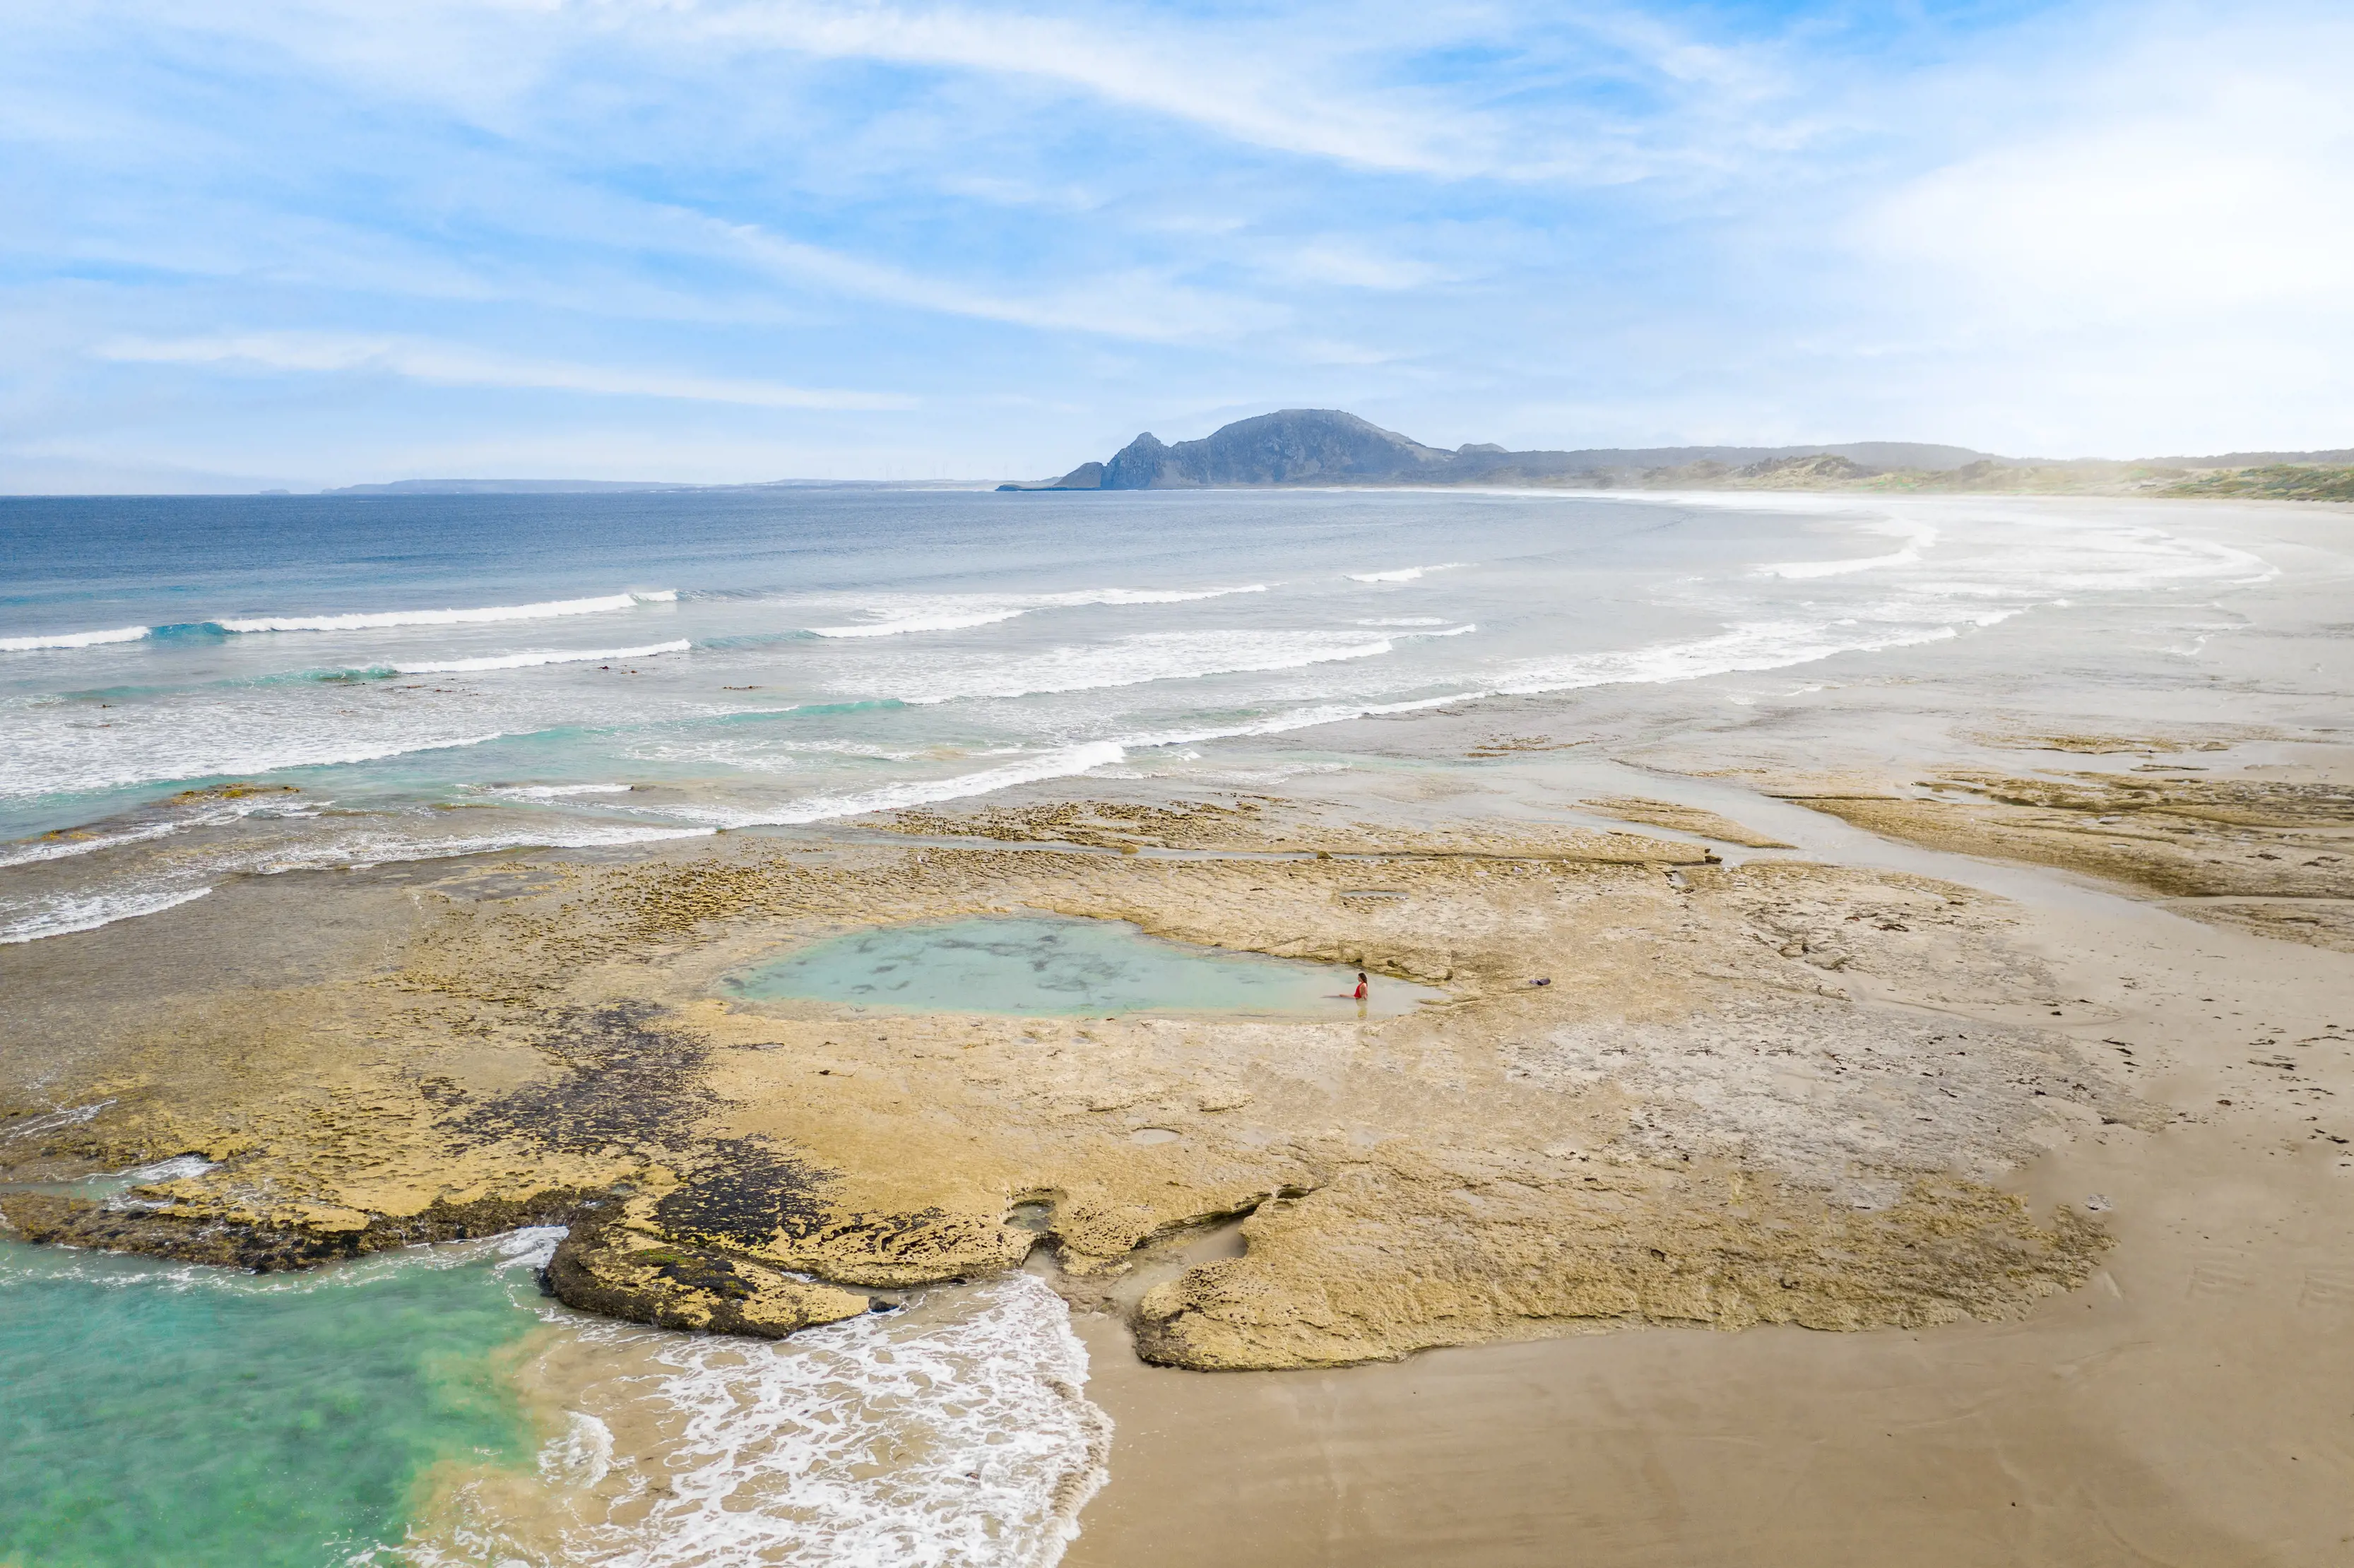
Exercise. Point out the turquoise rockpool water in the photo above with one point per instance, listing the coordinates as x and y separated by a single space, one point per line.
1049 965
162 1413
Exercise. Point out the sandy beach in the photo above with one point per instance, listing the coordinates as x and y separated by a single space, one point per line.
2185 1405
1929 1143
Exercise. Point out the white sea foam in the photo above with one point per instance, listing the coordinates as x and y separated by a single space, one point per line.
1404 621
72 638
179 1168
377 847
52 1121
956 1435
1132 660
937 621
60 915
370 619
537 657
1064 762
1918 537
554 791
1402 574
2013 548
955 612
32 851
1765 646
85 841
777 753
61 765
147 891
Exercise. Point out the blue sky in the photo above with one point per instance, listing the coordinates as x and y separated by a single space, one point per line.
324 242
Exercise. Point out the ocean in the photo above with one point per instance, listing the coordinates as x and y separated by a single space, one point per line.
192 689
198 688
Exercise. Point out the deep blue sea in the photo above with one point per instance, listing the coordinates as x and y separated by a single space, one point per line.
435 674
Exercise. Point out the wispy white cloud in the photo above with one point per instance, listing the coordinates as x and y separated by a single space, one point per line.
2075 224
1366 86
1357 264
452 364
1139 304
1186 70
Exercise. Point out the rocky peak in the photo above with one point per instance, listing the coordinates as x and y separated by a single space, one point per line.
1295 446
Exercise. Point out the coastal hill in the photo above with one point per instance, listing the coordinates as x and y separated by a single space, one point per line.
1328 447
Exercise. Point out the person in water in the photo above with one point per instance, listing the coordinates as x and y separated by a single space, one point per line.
1361 985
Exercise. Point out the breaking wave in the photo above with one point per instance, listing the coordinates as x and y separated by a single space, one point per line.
73 639
359 621
65 914
958 1435
1132 660
957 611
367 619
527 661
1402 574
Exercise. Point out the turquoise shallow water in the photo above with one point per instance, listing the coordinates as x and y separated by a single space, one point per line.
1045 966
158 1413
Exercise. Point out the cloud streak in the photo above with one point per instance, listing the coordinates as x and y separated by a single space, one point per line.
935 238
452 364
1138 63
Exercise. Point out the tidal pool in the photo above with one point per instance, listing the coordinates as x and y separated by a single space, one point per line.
1052 965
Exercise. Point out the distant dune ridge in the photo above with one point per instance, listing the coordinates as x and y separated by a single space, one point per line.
1327 446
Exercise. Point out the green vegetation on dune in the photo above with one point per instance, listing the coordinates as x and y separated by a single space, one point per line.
2279 481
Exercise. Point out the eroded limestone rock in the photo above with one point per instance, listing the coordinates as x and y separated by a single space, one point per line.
608 1266
1661 1133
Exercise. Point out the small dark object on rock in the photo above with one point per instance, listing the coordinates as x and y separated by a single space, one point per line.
1547 981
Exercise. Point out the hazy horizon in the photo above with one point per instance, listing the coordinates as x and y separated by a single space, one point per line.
524 485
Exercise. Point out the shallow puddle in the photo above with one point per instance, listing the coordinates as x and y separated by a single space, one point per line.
1049 965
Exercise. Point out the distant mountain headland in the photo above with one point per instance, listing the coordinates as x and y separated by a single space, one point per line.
1328 447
